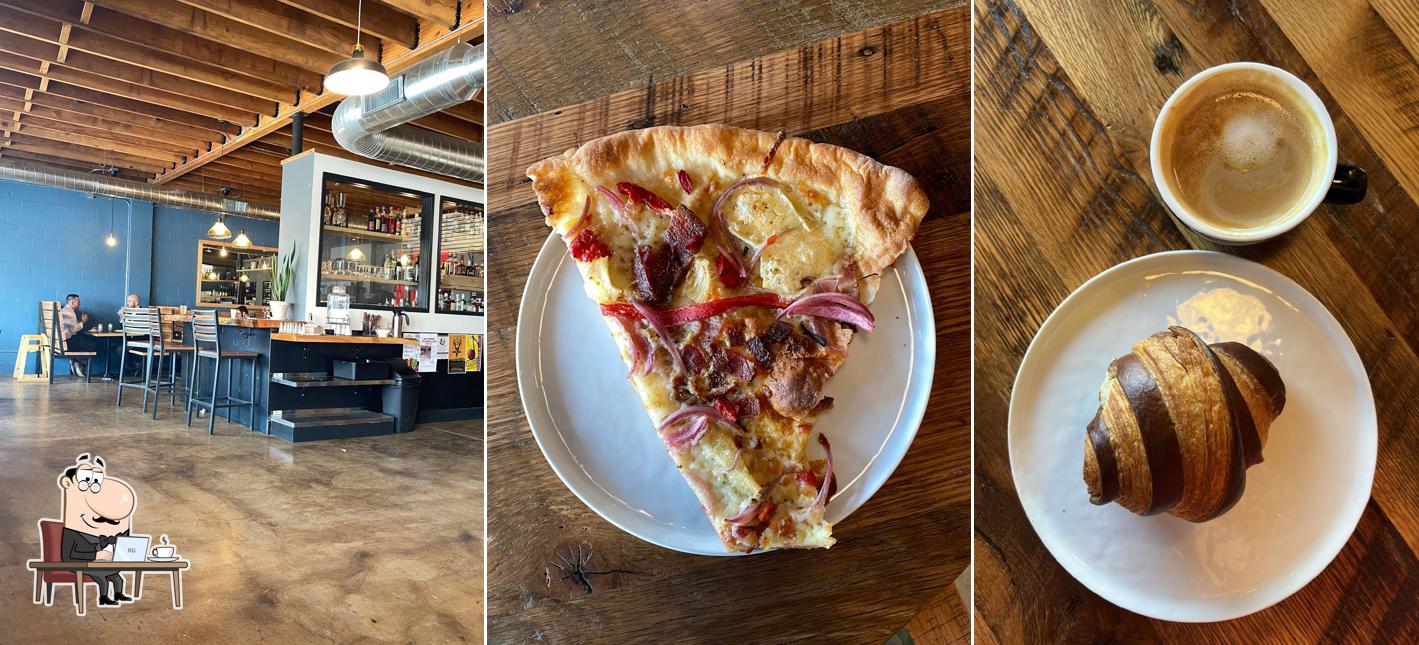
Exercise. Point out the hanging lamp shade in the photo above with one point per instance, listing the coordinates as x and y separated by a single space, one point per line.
355 254
219 230
357 75
242 240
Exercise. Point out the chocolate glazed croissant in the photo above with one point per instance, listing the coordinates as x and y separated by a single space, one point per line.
1179 422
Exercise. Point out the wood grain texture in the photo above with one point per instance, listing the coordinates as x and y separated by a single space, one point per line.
555 53
1065 103
895 554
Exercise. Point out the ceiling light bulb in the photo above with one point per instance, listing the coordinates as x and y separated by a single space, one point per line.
241 241
244 278
357 75
219 230
223 252
111 240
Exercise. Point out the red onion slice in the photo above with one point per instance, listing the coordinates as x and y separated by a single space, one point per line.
581 224
754 260
640 349
687 437
620 208
827 485
657 322
689 411
834 306
748 516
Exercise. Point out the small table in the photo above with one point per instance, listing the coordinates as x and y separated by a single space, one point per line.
106 336
173 569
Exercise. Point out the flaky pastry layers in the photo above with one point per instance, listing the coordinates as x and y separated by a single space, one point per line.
1178 424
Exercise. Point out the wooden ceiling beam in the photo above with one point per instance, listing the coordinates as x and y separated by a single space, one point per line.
170 152
472 27
239 180
452 126
471 112
213 186
284 21
57 115
172 41
381 21
443 12
181 96
21 141
257 172
103 45
71 165
114 115
141 107
163 159
224 30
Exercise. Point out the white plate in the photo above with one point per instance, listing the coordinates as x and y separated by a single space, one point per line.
1301 504
591 427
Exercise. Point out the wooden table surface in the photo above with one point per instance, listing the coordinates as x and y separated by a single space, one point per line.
898 92
1065 103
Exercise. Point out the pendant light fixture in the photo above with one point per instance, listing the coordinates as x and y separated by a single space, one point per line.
219 230
111 240
241 240
357 75
355 254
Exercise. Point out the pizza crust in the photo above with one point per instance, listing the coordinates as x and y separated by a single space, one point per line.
885 203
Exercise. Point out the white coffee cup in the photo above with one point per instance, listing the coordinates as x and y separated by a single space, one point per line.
1348 183
164 552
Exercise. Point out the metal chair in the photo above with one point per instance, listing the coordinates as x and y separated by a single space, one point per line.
156 343
207 340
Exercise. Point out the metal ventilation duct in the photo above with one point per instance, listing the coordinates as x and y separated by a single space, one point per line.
374 125
123 188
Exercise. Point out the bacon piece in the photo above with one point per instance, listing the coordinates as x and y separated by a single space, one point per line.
686 232
700 311
732 363
694 359
746 407
727 409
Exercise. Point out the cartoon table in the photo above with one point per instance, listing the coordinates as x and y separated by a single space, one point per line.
173 569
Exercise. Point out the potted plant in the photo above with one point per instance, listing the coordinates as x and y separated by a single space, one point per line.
281 277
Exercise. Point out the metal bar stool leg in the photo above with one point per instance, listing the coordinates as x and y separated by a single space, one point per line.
191 393
147 376
251 407
231 376
122 369
212 411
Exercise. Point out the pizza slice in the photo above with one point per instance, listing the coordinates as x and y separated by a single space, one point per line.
733 268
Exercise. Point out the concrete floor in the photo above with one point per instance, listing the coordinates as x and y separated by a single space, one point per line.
370 539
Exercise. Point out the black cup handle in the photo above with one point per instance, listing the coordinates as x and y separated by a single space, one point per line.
1348 187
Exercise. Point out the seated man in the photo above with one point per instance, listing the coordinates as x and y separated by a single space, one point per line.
133 302
72 323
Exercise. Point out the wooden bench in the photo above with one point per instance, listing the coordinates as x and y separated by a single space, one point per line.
55 344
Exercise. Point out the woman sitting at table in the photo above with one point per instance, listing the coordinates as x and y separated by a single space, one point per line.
72 323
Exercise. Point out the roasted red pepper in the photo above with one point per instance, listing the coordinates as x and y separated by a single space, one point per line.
729 275
685 182
638 195
701 311
586 246
726 409
808 478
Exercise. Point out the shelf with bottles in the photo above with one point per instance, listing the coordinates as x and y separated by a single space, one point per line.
371 237
461 269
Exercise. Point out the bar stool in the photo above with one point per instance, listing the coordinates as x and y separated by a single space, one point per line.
154 341
208 343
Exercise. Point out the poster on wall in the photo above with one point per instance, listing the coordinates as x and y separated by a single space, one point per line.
428 360
456 366
474 355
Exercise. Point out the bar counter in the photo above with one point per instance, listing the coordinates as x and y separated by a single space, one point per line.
303 408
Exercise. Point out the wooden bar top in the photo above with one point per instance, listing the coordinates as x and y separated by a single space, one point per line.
353 340
250 323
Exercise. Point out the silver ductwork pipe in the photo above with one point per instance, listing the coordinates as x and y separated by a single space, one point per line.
123 188
374 125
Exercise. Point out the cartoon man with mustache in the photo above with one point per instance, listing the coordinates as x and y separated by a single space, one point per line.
97 510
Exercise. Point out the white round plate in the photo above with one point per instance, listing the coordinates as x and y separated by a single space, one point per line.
1300 504
591 427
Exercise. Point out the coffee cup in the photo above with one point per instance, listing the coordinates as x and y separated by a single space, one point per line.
164 552
1244 152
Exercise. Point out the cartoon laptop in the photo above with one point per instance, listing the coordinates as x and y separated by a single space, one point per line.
130 549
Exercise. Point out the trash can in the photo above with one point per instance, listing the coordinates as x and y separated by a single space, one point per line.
401 398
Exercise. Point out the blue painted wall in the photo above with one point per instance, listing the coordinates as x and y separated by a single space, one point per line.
175 235
52 243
